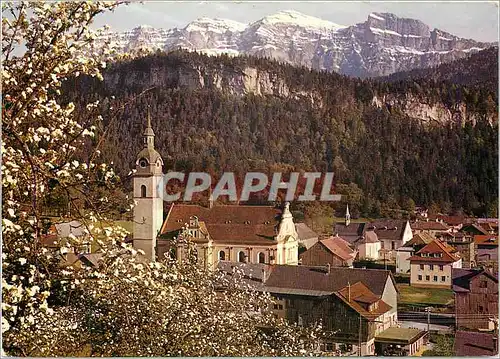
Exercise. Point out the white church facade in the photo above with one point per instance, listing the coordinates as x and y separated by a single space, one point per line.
252 234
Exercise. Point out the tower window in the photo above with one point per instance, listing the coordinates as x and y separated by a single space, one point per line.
143 191
262 257
241 256
143 163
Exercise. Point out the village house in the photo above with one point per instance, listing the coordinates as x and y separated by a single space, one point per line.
430 227
464 246
75 242
486 249
357 307
334 251
354 305
403 254
400 342
254 234
454 222
392 234
432 265
490 225
476 298
368 246
470 230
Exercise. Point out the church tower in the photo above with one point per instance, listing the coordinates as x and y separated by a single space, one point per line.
347 216
148 211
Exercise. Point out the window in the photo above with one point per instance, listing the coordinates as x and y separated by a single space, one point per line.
443 278
393 245
419 277
143 191
262 257
427 277
435 278
241 256
441 267
481 309
431 266
222 256
329 347
421 267
483 284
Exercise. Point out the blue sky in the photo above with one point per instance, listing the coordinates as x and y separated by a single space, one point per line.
475 19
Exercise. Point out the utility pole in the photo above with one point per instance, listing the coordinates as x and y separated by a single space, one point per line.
359 336
428 310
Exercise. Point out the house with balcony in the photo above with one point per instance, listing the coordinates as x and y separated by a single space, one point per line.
431 266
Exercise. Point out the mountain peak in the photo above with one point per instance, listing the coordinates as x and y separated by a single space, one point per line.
292 17
215 25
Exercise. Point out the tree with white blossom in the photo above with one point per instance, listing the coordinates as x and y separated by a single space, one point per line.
123 306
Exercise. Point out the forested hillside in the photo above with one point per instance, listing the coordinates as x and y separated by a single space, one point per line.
479 69
239 114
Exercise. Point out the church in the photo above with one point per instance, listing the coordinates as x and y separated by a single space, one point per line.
251 234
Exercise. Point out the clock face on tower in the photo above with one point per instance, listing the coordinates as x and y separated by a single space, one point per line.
143 163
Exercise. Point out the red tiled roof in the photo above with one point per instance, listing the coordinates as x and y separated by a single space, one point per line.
475 226
357 294
428 226
436 246
338 247
486 239
454 220
227 224
420 239
258 234
489 226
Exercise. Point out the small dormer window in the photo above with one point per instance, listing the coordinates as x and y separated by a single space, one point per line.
143 163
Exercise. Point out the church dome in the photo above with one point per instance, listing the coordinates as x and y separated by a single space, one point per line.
149 154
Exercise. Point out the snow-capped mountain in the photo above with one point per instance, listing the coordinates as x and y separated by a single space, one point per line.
381 45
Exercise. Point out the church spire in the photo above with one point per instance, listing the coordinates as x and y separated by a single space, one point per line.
347 216
149 135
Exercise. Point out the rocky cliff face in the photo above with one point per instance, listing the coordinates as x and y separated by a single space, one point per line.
252 80
381 45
